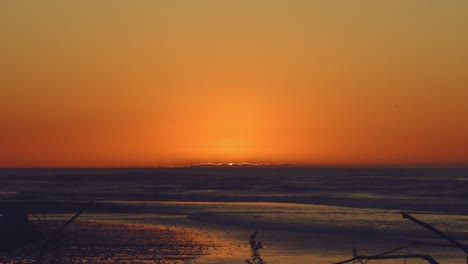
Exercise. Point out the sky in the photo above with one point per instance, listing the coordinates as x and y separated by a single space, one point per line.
175 82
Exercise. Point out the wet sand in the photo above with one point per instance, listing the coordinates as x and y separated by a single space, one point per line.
104 241
217 232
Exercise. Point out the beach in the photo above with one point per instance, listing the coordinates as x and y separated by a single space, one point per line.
228 132
218 227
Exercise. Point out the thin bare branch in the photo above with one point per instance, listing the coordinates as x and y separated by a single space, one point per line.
54 236
360 258
436 231
414 244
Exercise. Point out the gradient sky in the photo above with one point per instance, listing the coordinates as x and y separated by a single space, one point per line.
168 83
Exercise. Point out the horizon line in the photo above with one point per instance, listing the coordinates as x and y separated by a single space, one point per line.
259 165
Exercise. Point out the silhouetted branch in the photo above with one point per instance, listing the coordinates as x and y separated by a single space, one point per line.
437 232
428 258
432 244
356 256
360 258
414 244
255 247
56 234
396 249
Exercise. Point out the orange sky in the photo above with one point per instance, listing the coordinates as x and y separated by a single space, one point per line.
169 83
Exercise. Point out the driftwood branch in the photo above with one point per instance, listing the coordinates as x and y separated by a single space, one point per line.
436 231
415 244
255 247
355 258
360 258
385 255
56 234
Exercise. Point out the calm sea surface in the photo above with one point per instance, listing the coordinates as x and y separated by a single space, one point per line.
303 215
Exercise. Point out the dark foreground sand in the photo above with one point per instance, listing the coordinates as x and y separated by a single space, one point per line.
214 232
86 241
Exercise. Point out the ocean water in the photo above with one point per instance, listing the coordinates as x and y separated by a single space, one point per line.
302 214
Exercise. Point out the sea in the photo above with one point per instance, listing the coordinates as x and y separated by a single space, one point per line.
302 215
